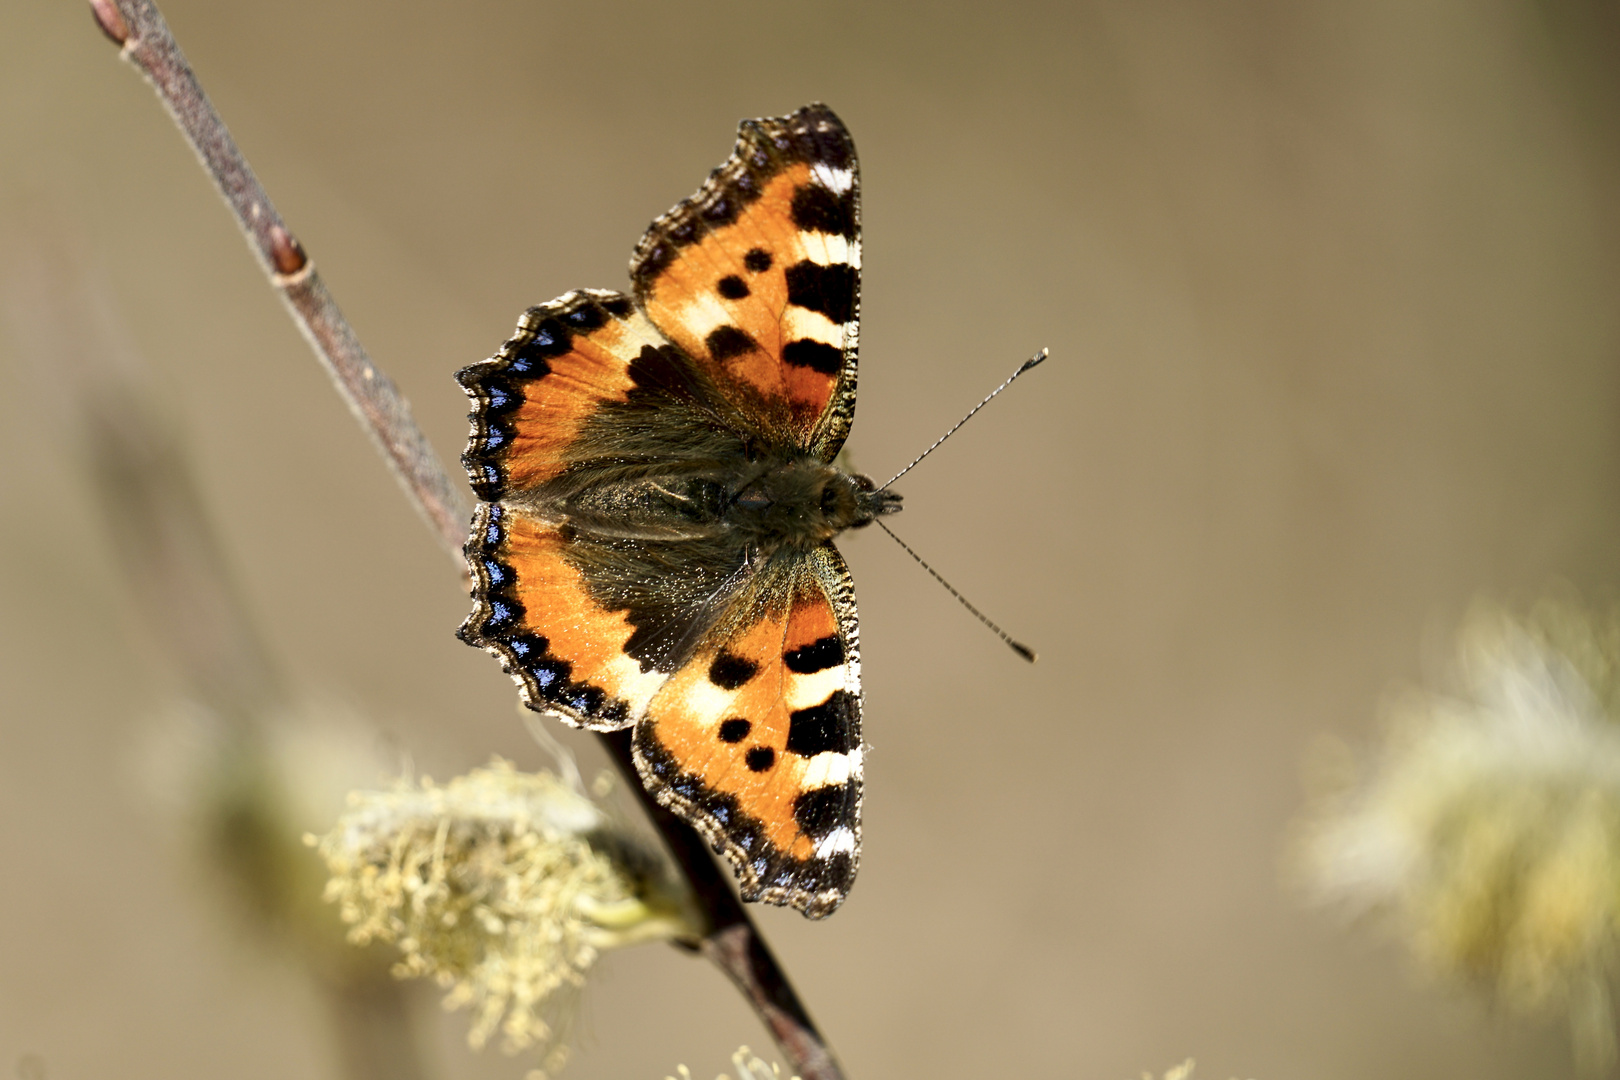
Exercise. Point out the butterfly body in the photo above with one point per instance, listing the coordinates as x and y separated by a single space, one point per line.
658 499
750 507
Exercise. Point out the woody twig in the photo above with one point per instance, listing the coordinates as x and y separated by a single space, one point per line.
138 27
732 941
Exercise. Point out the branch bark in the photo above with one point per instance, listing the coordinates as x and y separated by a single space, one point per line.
376 402
733 942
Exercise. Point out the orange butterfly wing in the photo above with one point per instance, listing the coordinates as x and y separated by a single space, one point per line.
757 277
533 398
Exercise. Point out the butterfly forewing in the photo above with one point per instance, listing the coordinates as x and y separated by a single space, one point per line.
534 398
757 276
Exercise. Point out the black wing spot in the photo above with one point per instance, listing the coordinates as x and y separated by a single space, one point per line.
735 730
822 136
551 338
587 317
816 656
827 289
817 209
824 727
758 260
815 355
725 342
722 211
823 809
730 671
733 287
619 307
838 872
760 758
654 263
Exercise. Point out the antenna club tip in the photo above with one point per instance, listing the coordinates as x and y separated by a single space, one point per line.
1023 650
1034 360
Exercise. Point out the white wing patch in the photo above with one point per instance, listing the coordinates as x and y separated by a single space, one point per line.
833 178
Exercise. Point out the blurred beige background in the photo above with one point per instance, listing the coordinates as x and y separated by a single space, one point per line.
1330 290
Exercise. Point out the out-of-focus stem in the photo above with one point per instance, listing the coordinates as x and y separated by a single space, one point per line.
175 565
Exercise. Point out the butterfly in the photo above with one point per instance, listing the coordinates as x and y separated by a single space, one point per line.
658 493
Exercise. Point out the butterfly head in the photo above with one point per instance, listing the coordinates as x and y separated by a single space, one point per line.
871 501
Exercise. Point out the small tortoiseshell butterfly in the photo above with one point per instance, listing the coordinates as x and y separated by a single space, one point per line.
653 545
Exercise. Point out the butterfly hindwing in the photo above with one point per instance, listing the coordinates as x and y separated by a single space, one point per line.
756 739
757 277
535 611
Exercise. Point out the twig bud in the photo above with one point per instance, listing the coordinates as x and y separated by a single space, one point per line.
111 21
286 253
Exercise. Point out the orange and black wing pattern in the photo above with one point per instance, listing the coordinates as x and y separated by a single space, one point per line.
757 277
533 399
756 740
535 612
552 404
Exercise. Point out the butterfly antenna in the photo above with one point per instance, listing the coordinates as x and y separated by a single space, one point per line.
1017 646
1027 364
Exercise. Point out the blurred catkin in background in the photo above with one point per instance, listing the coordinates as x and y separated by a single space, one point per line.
1488 828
